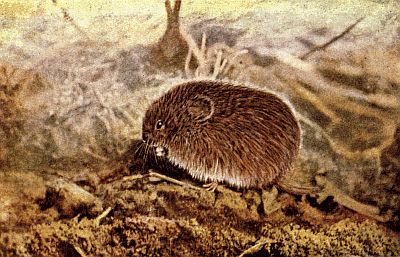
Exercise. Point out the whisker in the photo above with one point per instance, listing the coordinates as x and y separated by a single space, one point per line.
146 149
140 147
155 159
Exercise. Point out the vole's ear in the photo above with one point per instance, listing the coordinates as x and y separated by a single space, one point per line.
201 108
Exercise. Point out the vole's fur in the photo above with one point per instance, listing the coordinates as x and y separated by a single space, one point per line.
222 132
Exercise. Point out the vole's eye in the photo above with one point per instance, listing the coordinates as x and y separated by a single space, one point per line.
159 125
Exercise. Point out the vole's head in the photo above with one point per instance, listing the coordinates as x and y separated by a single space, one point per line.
174 120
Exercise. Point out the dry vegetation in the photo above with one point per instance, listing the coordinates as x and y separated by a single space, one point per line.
74 183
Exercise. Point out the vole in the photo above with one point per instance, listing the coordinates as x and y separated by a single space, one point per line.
224 132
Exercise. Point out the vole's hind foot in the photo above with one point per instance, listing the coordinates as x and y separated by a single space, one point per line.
211 186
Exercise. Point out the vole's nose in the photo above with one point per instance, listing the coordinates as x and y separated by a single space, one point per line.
161 151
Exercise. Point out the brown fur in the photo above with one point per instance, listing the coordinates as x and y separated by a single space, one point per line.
222 132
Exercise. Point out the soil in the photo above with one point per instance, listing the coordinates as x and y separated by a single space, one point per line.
152 217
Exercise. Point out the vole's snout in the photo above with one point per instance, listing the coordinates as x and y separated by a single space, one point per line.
161 151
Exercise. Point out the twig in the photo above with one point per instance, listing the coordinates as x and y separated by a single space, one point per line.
318 83
192 46
202 69
316 101
172 180
188 73
254 249
217 65
203 47
80 251
94 155
101 216
71 21
340 197
229 63
132 177
334 39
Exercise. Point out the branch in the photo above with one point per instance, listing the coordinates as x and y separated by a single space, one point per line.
334 39
70 20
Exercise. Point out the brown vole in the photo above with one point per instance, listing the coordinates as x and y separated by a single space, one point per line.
222 132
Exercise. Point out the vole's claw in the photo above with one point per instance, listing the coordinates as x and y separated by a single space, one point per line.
211 186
